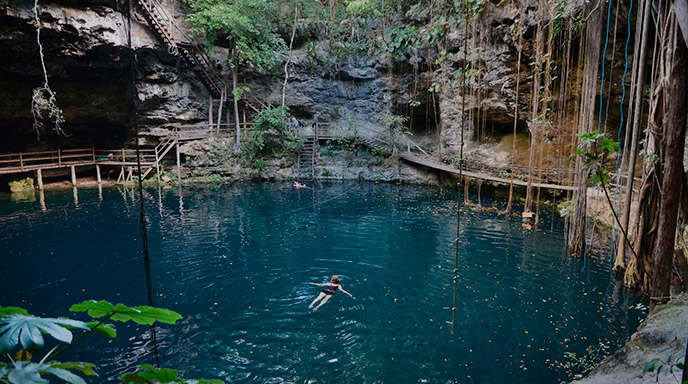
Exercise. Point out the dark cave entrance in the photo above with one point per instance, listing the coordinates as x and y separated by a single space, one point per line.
492 129
422 120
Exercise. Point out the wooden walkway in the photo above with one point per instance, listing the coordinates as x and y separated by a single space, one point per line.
411 158
22 162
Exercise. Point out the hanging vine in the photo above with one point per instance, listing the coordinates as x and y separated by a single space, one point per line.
43 101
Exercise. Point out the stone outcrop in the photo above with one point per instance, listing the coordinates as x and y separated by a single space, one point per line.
663 335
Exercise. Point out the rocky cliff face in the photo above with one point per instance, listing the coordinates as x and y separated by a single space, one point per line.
86 57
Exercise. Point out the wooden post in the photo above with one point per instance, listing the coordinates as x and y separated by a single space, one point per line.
210 114
315 144
179 163
219 110
157 165
93 151
73 175
123 160
98 173
59 157
39 175
21 161
227 115
41 198
244 113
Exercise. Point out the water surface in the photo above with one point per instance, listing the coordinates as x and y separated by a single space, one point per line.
236 262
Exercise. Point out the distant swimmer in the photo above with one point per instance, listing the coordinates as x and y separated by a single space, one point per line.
298 185
328 292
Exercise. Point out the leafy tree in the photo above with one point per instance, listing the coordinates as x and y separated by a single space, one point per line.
272 134
249 28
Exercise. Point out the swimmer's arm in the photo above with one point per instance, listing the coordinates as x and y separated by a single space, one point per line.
320 284
342 289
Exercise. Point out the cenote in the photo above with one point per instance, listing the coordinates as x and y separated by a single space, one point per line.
236 261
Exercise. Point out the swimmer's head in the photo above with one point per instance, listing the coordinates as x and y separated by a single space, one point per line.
335 279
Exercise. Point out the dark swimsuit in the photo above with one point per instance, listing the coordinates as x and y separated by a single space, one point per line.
330 290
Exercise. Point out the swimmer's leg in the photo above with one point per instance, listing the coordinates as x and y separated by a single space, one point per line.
320 296
327 297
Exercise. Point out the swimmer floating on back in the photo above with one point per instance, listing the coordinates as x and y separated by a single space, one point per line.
298 185
328 292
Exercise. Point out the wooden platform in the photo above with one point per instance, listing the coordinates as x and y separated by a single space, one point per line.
411 158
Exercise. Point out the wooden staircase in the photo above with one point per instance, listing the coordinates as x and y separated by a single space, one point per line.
190 49
305 159
161 150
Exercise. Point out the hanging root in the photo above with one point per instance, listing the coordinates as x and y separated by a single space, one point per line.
44 107
43 102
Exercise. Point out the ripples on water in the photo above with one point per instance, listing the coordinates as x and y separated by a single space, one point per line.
236 262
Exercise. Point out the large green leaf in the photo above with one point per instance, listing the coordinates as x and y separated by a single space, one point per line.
151 375
141 315
9 311
27 330
25 372
107 330
85 368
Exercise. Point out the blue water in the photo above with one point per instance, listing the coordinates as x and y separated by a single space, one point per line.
236 262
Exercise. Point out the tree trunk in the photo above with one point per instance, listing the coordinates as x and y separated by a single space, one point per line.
620 259
509 205
234 67
593 37
286 65
675 134
534 121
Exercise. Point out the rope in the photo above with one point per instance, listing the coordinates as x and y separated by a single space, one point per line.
461 177
618 136
144 233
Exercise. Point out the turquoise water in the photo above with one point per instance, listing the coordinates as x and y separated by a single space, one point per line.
237 261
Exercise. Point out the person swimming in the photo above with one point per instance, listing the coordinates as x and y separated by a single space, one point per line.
331 287
298 185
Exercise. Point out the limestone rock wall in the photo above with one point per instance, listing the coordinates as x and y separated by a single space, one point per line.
86 57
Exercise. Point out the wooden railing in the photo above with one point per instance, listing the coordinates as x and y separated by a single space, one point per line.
27 161
31 161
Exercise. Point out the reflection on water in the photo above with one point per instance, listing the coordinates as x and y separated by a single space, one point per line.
237 262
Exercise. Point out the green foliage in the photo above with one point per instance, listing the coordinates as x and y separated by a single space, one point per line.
28 330
8 311
587 361
400 40
395 126
458 160
271 135
504 174
153 375
214 178
592 148
240 91
142 314
248 25
25 372
17 327
656 365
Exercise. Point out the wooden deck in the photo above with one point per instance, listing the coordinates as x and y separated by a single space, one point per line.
411 158
64 158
